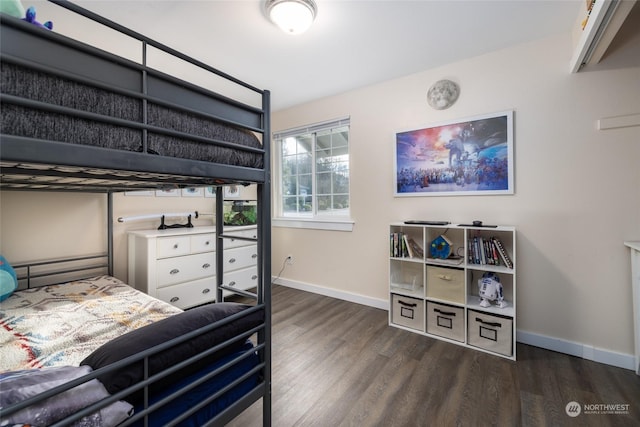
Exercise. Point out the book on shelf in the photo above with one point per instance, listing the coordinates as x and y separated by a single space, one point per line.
488 251
405 241
417 250
403 246
503 253
398 247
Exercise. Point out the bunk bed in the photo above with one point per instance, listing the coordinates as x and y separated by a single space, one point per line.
74 117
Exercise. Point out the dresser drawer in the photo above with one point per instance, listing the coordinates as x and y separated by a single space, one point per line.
173 246
185 268
203 243
234 243
244 279
445 284
189 294
241 257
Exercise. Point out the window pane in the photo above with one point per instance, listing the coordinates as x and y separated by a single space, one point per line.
341 136
289 146
315 173
324 203
290 204
306 188
290 186
304 163
324 165
289 165
323 142
341 152
341 202
305 143
323 183
341 183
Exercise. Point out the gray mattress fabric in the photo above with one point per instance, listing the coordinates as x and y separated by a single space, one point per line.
77 127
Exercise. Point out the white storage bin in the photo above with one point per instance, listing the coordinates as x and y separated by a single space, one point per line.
490 332
445 284
407 312
445 320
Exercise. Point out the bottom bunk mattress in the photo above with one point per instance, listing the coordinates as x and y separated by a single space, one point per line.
60 325
196 363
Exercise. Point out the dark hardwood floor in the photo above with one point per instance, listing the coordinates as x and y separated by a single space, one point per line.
337 363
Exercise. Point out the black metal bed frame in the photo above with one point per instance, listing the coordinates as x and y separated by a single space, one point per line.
25 161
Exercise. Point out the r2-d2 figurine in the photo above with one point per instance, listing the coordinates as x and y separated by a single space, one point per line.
490 289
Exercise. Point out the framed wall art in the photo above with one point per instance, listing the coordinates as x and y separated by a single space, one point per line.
210 192
192 192
174 192
471 156
232 192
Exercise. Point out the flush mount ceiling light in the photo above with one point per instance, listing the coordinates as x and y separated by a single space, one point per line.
292 16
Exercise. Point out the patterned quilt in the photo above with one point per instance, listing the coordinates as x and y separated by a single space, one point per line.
60 325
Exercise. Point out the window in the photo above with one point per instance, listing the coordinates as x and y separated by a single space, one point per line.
314 171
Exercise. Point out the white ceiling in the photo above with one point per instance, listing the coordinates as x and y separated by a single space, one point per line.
352 43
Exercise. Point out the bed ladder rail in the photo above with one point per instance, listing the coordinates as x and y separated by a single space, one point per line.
239 292
25 271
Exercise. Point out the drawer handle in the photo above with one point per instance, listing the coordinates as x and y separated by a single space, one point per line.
444 277
232 283
444 313
232 260
174 299
254 277
206 243
254 256
206 265
494 324
206 290
174 271
175 246
406 304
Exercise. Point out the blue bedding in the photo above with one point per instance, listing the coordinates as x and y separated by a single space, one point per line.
183 403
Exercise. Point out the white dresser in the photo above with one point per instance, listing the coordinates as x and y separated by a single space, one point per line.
179 265
174 265
240 258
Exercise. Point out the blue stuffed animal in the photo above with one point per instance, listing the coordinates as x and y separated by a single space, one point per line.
8 279
30 17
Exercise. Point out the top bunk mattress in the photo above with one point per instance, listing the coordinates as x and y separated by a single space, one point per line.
60 325
44 106
69 104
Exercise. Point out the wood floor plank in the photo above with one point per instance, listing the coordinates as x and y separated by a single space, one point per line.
337 363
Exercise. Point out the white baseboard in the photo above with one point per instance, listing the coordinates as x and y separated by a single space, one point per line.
608 357
588 352
335 293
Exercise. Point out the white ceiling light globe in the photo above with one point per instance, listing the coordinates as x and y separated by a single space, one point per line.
292 16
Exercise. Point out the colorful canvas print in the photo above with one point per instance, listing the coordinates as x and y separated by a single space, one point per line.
470 156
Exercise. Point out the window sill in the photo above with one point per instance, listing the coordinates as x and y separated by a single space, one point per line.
315 224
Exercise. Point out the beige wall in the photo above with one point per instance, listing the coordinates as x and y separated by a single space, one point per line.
577 194
37 225
42 225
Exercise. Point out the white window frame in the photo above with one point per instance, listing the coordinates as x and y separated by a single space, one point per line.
314 220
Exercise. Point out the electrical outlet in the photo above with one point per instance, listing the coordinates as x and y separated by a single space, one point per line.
290 259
